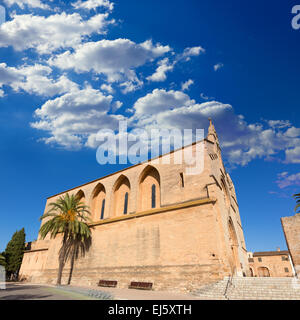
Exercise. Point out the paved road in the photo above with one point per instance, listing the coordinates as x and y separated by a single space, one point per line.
37 292
42 292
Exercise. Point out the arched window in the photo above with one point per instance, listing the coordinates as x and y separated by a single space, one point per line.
153 196
126 203
102 209
149 189
97 204
120 197
80 196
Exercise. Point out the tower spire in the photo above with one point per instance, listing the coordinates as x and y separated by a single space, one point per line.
212 133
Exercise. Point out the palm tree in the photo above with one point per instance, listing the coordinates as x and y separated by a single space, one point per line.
297 197
69 217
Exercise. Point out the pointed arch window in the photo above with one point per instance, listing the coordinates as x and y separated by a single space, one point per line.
102 209
153 196
126 203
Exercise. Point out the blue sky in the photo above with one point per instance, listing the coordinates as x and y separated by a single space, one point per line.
69 69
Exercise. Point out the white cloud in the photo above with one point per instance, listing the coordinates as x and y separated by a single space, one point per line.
93 4
285 180
116 59
279 123
8 75
186 85
131 85
191 52
218 66
241 141
29 3
159 101
47 34
160 74
205 97
165 65
73 117
107 87
35 79
293 132
293 154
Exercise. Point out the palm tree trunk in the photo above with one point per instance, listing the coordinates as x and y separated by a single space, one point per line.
71 267
61 259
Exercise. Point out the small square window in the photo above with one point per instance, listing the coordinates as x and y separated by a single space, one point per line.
284 258
259 259
286 269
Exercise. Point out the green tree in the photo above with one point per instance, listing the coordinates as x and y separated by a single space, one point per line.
297 197
14 253
69 217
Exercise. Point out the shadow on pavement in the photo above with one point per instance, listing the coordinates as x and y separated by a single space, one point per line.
10 287
24 297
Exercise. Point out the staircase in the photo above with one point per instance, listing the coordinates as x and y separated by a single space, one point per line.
246 288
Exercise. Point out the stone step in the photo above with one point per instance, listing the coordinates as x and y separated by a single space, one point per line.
252 288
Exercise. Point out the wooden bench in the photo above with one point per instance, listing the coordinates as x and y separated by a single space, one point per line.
141 285
107 283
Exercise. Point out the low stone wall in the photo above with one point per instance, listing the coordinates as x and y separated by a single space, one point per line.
178 278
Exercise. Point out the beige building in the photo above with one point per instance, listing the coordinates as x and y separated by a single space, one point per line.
155 223
291 230
270 264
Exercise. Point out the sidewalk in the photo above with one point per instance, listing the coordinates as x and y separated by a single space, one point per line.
134 294
125 294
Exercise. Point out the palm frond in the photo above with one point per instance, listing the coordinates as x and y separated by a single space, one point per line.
69 215
297 197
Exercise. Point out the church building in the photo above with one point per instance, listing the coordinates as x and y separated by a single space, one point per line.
154 223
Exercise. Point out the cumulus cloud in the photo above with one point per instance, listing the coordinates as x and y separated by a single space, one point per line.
8 75
293 154
241 141
165 65
160 100
71 118
73 115
35 79
93 4
116 59
47 34
131 85
29 3
107 87
74 119
279 123
186 85
191 52
160 74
